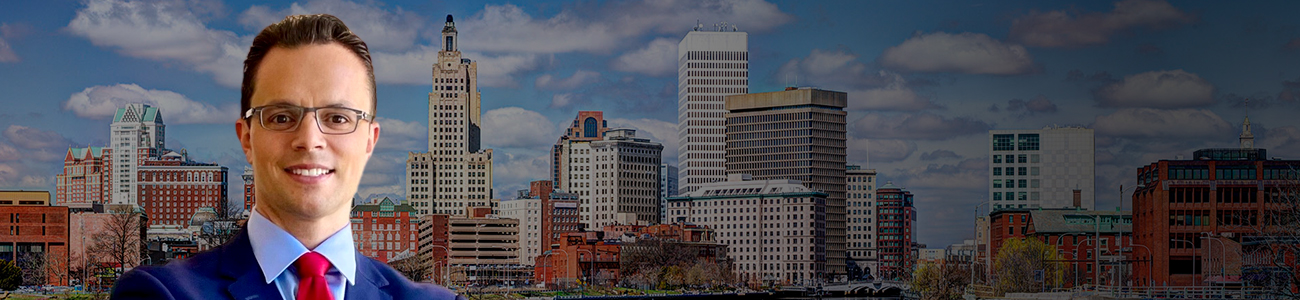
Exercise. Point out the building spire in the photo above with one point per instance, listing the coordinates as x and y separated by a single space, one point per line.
1247 139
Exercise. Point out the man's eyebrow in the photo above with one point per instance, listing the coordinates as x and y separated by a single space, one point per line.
335 103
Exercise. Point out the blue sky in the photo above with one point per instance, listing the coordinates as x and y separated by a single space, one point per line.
926 79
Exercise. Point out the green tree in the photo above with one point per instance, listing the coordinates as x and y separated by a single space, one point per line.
10 275
934 281
1017 261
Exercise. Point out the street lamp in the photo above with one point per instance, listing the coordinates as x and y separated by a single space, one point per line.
1196 254
591 274
977 241
1151 276
1121 216
1222 261
446 257
552 259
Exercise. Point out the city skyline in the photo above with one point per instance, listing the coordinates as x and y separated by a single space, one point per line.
925 81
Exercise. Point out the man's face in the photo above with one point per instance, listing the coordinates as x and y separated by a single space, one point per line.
304 173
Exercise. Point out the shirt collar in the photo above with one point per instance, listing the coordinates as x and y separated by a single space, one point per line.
276 249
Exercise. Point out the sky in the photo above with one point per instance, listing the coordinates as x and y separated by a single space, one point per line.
926 79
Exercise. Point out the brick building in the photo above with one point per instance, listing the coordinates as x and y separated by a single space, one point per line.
83 181
173 187
1194 214
384 228
249 192
37 235
594 256
86 229
433 242
544 214
1075 234
895 237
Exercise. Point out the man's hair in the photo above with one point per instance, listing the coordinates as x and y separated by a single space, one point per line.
299 30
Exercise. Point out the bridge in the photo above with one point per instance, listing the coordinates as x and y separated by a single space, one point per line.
878 288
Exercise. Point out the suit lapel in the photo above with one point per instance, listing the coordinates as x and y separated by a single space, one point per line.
238 264
369 282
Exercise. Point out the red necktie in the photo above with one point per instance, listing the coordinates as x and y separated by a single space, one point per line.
311 277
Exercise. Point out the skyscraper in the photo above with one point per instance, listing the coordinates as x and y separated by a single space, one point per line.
455 173
626 186
571 164
894 217
1048 168
861 217
667 188
712 64
137 134
799 134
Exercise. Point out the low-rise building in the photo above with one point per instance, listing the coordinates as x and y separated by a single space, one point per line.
37 236
384 228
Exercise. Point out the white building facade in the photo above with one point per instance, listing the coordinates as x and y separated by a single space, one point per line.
455 173
775 230
626 179
711 64
136 135
861 217
1051 167
528 210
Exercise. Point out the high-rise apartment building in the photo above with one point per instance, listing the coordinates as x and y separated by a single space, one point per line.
711 65
667 188
1048 168
861 218
136 135
894 220
571 166
775 230
799 134
456 173
85 177
625 189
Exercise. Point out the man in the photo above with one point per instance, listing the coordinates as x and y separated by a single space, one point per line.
307 127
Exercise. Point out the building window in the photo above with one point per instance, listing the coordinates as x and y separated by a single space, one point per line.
1002 142
997 171
1028 141
997 159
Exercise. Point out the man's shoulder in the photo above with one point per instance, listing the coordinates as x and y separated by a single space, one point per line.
175 280
400 287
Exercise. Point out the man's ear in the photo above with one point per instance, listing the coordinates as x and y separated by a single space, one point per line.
374 136
245 140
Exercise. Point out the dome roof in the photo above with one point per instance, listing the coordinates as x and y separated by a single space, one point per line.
203 215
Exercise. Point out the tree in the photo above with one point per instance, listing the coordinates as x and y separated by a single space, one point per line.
10 276
1272 255
1019 259
32 265
941 280
119 242
411 268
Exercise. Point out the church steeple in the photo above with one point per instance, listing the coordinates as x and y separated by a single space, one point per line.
1247 139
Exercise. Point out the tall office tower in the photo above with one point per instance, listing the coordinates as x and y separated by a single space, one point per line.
136 135
795 134
667 188
774 229
1048 168
861 231
455 174
571 158
84 180
626 179
894 219
711 64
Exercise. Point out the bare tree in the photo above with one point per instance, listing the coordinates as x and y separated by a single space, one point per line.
411 268
942 280
1272 256
1019 259
119 241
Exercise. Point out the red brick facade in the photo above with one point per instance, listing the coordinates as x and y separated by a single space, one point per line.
384 229
84 177
35 232
171 190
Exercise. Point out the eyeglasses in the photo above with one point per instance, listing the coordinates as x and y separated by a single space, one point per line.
330 120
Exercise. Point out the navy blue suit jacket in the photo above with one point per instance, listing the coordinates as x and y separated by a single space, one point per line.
231 271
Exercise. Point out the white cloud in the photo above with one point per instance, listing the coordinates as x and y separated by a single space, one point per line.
918 126
9 153
1062 29
563 100
6 53
383 30
162 31
101 102
659 58
895 95
578 79
1163 124
513 169
1158 89
970 53
401 135
32 138
508 28
879 150
841 70
514 127
656 130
